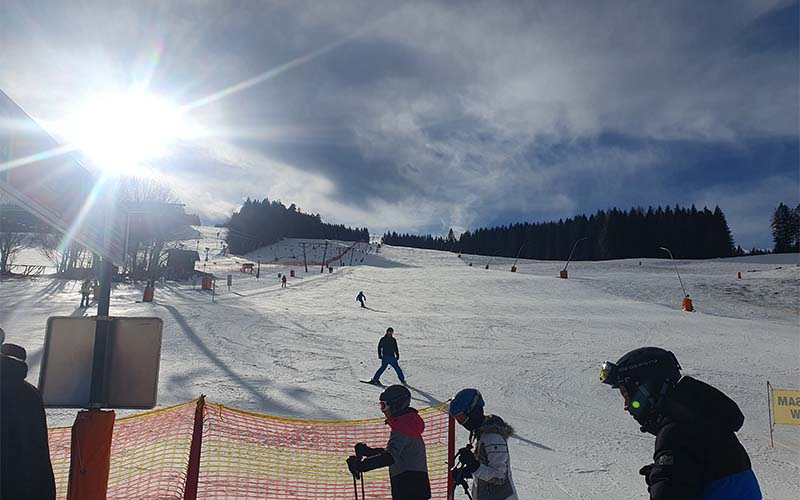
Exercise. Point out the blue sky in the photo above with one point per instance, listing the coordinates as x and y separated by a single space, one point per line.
421 116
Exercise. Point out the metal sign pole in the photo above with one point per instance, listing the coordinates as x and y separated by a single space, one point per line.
769 412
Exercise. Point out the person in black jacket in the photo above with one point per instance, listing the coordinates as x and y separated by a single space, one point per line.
697 455
389 355
404 453
25 469
361 298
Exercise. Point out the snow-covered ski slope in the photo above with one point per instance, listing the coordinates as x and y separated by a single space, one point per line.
531 342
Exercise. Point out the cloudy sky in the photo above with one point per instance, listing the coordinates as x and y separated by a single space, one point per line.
421 116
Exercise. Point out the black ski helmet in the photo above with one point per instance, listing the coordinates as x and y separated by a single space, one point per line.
469 403
639 365
396 398
647 374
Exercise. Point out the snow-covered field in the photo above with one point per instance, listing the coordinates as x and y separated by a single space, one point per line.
532 343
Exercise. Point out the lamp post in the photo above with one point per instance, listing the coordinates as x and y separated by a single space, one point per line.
514 265
676 270
563 273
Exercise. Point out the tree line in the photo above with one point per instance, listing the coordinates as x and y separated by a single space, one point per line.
609 234
260 223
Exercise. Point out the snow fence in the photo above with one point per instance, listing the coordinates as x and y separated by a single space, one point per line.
241 455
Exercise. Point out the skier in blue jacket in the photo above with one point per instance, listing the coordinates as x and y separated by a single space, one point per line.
697 455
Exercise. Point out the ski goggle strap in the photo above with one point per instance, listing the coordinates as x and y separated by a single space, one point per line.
609 373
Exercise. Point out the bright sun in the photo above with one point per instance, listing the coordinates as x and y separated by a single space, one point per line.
118 132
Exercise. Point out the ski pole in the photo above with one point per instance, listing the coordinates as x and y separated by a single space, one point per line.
355 486
363 496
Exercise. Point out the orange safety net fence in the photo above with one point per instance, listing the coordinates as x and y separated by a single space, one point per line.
149 454
249 456
246 455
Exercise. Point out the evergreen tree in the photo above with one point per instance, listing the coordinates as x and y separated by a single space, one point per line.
260 223
783 229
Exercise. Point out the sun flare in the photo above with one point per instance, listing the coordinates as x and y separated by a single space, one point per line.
119 132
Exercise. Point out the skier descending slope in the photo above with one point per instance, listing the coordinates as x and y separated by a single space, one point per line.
389 354
405 451
490 464
697 455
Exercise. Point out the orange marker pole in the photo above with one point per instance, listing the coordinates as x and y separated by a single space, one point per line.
90 455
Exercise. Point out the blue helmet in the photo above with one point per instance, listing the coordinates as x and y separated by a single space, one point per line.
467 408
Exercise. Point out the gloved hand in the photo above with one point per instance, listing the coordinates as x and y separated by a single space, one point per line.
352 465
362 450
467 458
461 475
645 471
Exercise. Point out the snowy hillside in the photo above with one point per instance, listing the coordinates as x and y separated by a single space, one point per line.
532 343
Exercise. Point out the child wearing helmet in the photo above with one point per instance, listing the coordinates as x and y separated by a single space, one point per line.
490 464
697 455
404 453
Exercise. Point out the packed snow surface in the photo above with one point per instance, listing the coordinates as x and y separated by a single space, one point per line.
531 342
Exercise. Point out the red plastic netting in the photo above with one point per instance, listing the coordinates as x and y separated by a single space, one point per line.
253 456
248 456
149 454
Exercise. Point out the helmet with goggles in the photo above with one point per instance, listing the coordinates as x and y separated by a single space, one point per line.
396 398
467 408
647 375
639 365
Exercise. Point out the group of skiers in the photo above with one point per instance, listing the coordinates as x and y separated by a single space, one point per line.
697 454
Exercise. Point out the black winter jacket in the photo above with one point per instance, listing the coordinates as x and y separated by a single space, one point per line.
388 347
25 469
695 442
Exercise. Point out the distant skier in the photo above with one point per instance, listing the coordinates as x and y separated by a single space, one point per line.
486 459
361 298
697 455
86 289
389 354
405 451
283 281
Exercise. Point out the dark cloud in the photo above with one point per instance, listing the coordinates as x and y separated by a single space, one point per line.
420 116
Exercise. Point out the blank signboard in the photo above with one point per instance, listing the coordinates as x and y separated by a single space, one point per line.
133 355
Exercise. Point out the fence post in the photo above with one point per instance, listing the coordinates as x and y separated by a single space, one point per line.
90 455
193 470
451 451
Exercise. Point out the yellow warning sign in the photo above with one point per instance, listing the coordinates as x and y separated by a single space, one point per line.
786 406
